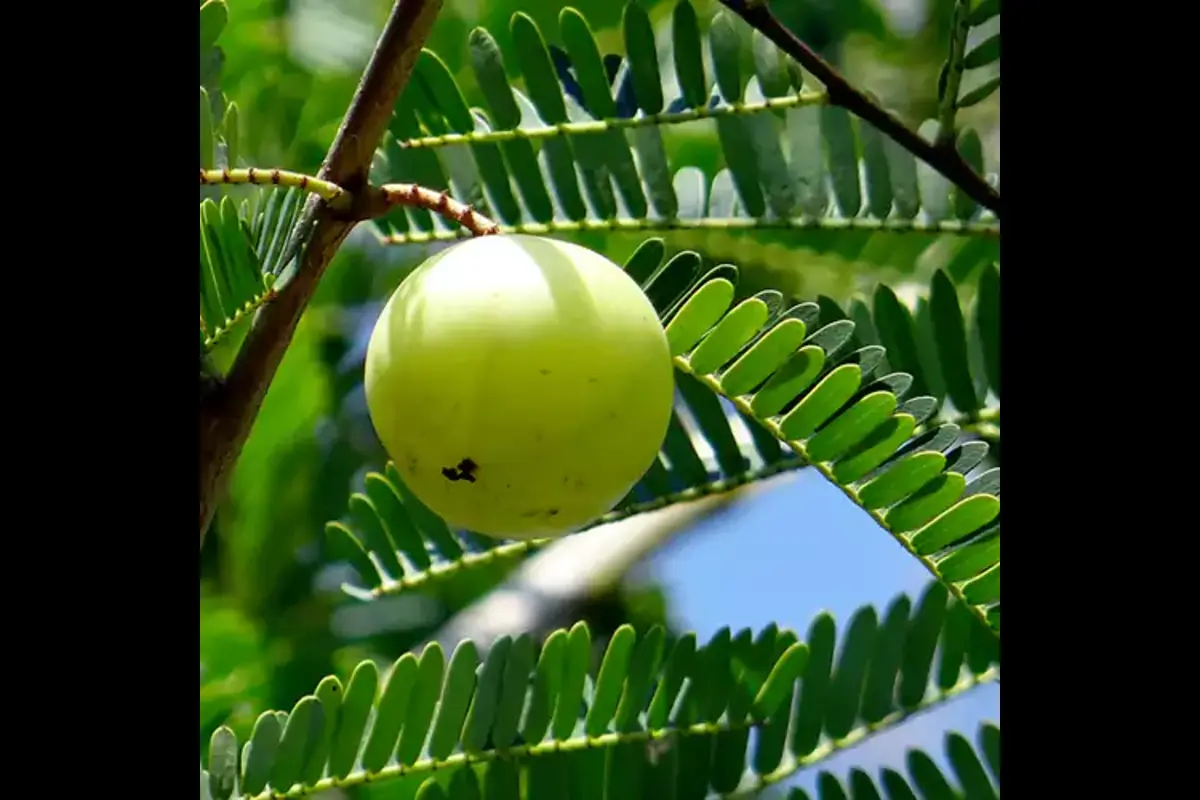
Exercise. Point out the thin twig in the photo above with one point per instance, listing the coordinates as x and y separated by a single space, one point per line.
228 413
409 194
379 200
944 159
329 192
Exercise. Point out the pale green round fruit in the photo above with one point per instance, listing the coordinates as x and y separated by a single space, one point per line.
521 385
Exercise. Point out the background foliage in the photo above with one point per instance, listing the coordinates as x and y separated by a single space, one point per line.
273 619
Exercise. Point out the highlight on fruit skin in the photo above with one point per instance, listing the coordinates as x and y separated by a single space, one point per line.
522 385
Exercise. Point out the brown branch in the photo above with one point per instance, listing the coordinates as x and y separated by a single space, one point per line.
945 158
228 413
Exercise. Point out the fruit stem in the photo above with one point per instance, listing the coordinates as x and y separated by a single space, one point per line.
409 194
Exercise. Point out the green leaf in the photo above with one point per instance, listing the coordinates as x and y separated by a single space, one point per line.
643 58
970 561
770 66
923 632
842 148
423 699
846 684
822 402
356 706
575 666
874 449
986 53
725 46
935 188
983 11
879 686
807 165
795 376
377 541
513 690
814 687
767 355
951 341
305 728
460 680
222 763
613 670
729 336
329 693
698 315
678 666
969 515
689 64
742 161
970 147
456 695
643 665
645 260
967 768
390 714
987 322
989 742
207 140
980 93
878 171
778 685
851 427
214 15
260 753
546 684
673 279
934 498
985 588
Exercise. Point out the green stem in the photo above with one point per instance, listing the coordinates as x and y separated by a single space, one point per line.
429 765
599 126
865 732
628 225
948 104
218 333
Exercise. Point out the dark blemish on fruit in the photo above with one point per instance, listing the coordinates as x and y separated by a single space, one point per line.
465 471
593 380
537 512
544 371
